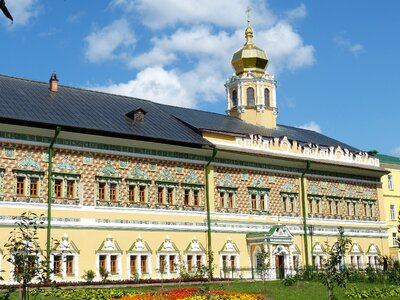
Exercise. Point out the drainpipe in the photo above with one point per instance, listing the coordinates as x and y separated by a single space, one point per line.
49 199
210 260
303 203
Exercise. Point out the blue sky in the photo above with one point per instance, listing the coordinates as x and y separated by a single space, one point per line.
336 62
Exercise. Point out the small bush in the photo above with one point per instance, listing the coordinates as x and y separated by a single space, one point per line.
89 275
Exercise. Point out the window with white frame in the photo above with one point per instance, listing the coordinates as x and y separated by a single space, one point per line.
138 191
315 204
28 184
139 259
108 258
192 195
64 259
394 239
194 256
166 194
66 186
227 198
259 199
108 189
168 258
289 203
390 182
369 209
229 259
1 184
392 212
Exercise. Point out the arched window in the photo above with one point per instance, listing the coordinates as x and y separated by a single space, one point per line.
250 97
266 97
234 98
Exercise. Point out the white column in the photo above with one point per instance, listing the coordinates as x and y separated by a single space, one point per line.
128 265
139 264
76 270
64 266
262 94
228 98
273 96
149 265
167 264
108 263
119 266
257 93
242 92
97 265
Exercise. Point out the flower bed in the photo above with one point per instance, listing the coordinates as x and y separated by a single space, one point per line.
192 294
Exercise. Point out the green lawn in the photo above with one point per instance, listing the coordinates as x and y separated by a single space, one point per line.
275 290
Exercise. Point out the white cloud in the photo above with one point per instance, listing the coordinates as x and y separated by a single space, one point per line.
285 48
311 126
342 42
22 11
297 13
76 17
111 42
196 56
157 14
396 151
155 84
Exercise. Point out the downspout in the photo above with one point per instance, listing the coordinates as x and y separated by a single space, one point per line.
49 198
210 259
303 204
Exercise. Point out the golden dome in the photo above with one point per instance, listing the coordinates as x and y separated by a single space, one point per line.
249 57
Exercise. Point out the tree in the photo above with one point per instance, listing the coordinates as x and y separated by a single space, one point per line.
263 265
333 275
24 252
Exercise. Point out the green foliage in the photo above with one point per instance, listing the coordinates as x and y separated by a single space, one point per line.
332 275
135 275
263 265
23 251
89 275
374 293
104 274
85 294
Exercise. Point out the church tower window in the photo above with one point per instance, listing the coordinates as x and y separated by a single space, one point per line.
250 97
234 98
266 97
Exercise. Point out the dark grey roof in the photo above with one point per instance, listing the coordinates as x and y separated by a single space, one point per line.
221 123
28 102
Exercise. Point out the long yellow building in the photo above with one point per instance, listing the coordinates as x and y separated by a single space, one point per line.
391 198
133 181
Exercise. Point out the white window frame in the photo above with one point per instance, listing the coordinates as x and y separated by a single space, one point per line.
194 261
226 192
108 182
390 182
138 265
191 189
262 195
108 255
64 255
165 187
167 264
137 184
393 212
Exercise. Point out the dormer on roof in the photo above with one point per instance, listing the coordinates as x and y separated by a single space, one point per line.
136 115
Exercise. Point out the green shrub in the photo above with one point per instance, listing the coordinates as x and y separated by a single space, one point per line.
85 294
89 275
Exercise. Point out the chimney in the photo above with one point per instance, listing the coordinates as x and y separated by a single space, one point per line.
53 83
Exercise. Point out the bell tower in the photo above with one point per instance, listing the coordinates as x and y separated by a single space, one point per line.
251 91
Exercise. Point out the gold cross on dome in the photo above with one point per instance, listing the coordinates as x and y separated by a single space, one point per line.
248 10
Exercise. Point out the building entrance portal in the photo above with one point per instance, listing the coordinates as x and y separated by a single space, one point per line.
280 266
